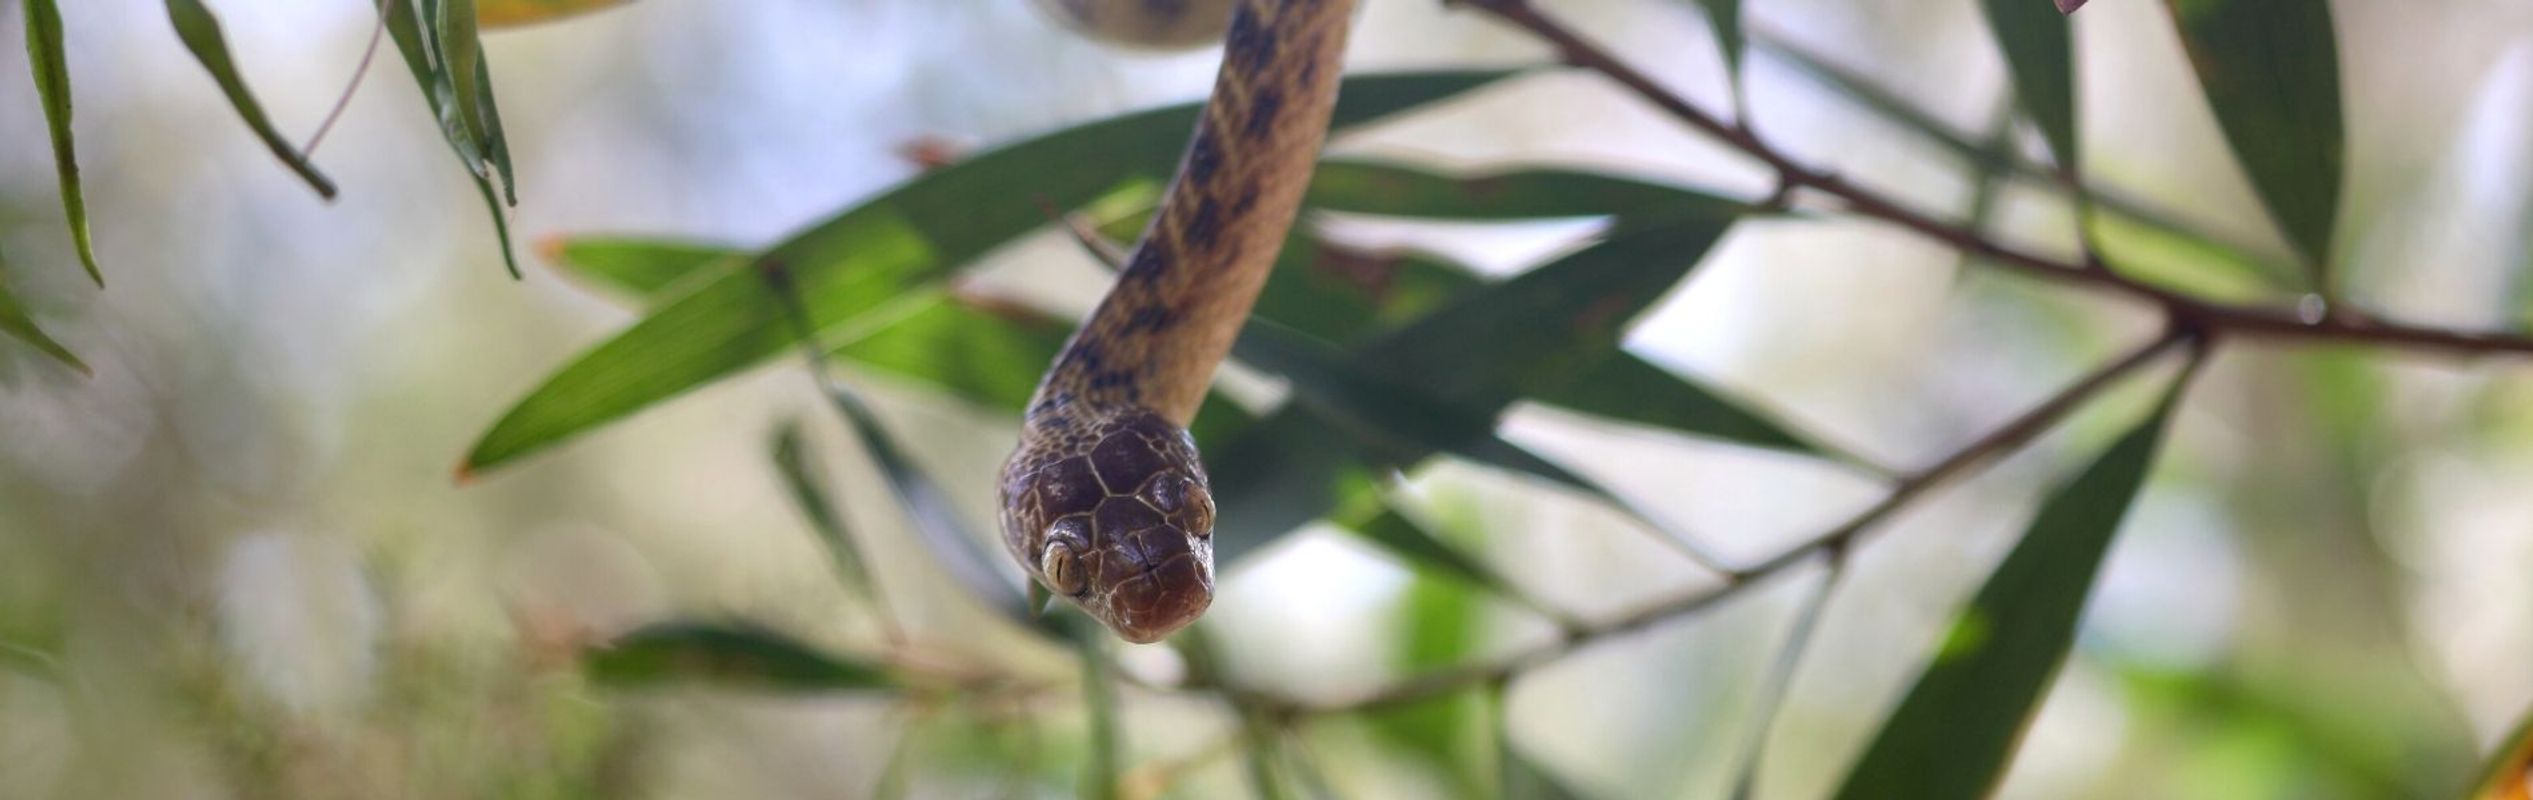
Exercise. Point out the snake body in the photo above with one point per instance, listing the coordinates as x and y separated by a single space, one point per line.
1105 502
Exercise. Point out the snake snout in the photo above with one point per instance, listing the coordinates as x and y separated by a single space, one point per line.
1168 582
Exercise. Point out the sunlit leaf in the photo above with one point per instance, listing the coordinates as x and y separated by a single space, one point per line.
731 655
798 465
1954 734
44 56
201 34
507 13
2510 772
412 23
2271 71
2039 52
639 268
15 322
864 259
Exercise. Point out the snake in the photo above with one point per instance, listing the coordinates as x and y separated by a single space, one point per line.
1105 501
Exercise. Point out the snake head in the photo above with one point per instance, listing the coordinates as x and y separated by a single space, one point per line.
1118 521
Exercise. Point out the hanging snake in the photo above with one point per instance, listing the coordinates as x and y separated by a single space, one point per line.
1105 502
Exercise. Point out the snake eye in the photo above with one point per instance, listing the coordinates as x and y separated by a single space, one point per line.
1061 569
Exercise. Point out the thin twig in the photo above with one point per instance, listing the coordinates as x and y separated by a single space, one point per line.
1995 444
2241 320
376 32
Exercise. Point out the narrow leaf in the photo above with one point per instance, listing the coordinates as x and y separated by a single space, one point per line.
45 58
858 262
1410 541
15 322
737 656
2041 56
201 34
797 464
1394 189
640 269
1954 734
1725 17
2271 70
420 45
510 13
953 545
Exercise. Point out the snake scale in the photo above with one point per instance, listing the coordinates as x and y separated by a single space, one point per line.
1105 502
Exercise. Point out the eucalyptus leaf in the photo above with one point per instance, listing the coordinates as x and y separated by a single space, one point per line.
1395 189
201 34
414 25
797 463
15 322
2270 69
45 58
2040 52
1955 732
730 655
859 262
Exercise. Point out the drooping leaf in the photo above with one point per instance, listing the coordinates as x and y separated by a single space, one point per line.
1725 17
798 466
45 58
944 533
1384 525
2509 775
858 261
2270 69
2040 53
15 322
730 655
511 13
201 34
1955 732
414 26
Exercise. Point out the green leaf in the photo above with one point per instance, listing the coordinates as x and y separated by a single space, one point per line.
953 545
425 57
1725 17
797 463
1409 540
860 261
640 269
732 655
2270 69
15 322
201 34
1628 388
2039 52
1954 734
1393 189
45 58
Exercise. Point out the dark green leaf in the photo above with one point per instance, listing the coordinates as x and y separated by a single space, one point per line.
808 487
201 34
2038 50
1955 732
728 655
15 322
1631 389
44 57
2270 69
958 550
860 261
1725 17
413 24
1392 189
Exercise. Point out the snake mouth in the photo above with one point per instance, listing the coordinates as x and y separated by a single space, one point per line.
1161 599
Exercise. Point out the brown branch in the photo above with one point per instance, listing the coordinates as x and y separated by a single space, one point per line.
2334 326
1832 544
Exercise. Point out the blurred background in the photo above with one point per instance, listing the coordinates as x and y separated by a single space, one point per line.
234 562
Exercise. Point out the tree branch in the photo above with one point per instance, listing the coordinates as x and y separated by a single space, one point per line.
2335 326
1832 544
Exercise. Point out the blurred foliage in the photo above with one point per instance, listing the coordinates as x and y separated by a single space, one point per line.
1389 359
